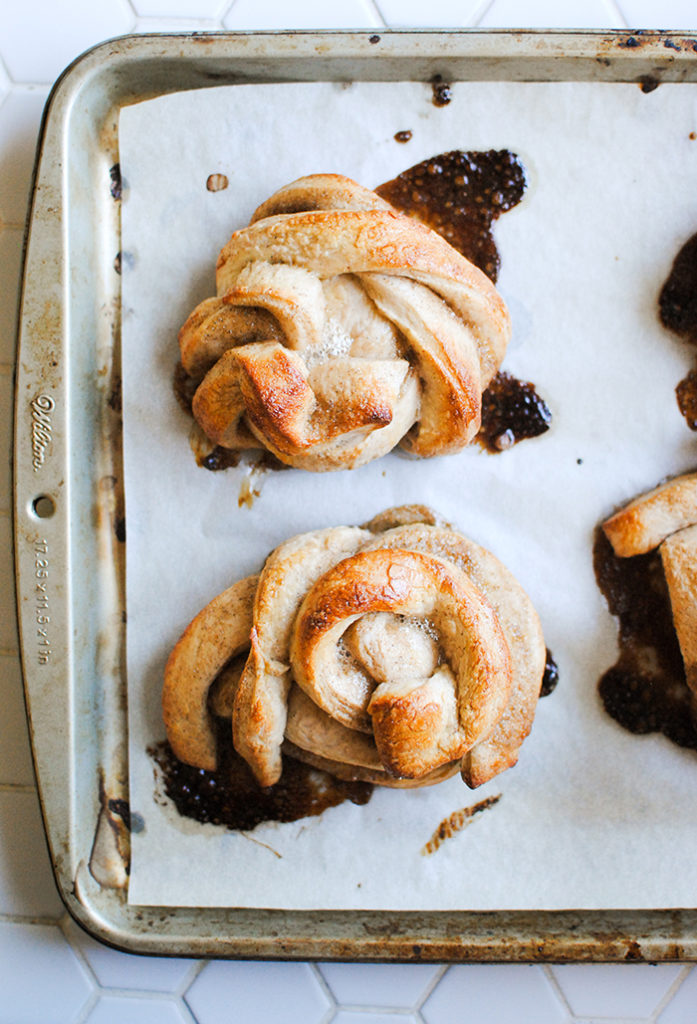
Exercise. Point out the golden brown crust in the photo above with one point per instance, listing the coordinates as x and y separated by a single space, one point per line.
268 384
260 707
320 192
679 557
218 633
519 622
666 518
390 653
214 327
344 284
434 720
645 522
358 773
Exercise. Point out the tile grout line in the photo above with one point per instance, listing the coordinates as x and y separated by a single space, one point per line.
557 989
324 985
221 11
225 10
385 1011
483 11
86 1010
682 977
375 4
63 923
619 13
134 13
193 973
191 1017
430 988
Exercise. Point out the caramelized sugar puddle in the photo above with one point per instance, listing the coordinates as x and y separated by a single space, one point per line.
645 691
460 194
231 797
550 676
512 411
677 309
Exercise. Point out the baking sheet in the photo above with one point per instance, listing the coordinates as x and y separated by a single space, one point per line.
592 817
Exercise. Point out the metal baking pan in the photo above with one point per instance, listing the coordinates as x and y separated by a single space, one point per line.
69 501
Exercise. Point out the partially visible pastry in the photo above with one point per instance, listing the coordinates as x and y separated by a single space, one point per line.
679 557
645 523
396 653
342 328
666 518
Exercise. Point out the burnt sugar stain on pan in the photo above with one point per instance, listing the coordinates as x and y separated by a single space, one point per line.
677 310
647 83
231 797
115 183
442 91
645 691
460 194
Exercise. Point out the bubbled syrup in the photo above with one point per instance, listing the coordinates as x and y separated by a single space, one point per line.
645 691
677 307
511 411
460 194
550 677
232 798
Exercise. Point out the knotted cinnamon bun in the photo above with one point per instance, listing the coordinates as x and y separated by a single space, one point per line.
342 328
396 653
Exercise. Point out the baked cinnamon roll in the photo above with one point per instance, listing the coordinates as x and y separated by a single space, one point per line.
342 328
397 653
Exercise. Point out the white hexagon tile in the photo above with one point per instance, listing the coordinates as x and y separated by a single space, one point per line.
50 971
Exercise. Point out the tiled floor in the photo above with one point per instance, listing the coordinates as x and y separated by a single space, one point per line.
49 970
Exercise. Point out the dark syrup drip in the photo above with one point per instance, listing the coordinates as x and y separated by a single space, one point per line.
686 394
511 412
442 91
677 309
184 388
217 458
550 677
645 691
115 183
232 798
460 195
677 303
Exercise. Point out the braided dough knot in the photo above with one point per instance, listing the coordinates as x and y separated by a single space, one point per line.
395 653
422 631
341 329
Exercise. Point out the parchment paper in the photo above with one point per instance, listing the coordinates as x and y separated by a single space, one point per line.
592 816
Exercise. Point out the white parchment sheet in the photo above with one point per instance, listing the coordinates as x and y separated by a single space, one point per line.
592 816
